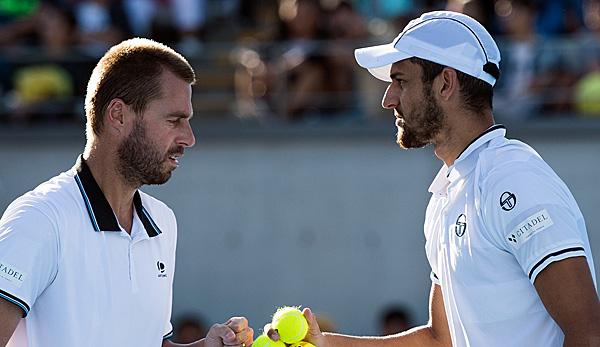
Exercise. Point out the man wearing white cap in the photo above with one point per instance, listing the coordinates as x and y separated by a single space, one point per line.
507 244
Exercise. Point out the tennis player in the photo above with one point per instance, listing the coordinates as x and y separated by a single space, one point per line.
86 258
506 242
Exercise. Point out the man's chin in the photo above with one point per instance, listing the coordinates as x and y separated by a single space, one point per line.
158 180
408 142
401 144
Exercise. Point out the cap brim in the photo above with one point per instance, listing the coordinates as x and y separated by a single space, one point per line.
379 59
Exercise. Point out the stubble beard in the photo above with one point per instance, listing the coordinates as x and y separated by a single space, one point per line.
421 127
140 162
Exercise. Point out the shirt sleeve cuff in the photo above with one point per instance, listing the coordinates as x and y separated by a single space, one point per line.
434 278
15 300
549 258
168 335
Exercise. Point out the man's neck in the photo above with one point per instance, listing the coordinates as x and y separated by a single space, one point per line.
117 191
455 138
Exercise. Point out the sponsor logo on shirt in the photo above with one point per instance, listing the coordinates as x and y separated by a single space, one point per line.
161 269
460 227
529 227
508 201
12 274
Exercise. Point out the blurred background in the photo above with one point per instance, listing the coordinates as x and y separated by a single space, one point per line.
296 193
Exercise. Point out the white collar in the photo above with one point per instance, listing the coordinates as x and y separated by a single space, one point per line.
465 161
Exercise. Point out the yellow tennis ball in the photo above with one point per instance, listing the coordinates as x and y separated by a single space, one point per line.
290 324
303 344
265 341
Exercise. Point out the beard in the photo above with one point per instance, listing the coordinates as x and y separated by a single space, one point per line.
140 162
422 127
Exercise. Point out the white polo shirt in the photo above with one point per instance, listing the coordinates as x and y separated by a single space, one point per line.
79 278
496 219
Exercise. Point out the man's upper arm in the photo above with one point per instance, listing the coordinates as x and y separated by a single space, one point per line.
567 290
28 260
10 314
532 216
438 322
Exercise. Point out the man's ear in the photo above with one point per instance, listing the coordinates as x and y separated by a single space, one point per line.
447 83
115 114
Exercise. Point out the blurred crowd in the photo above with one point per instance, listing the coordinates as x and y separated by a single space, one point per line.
290 60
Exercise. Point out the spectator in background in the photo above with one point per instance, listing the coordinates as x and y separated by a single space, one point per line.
43 80
173 21
539 73
481 10
587 89
395 12
346 28
302 66
16 22
252 15
101 24
189 17
290 83
312 76
13 9
189 328
558 17
394 319
514 95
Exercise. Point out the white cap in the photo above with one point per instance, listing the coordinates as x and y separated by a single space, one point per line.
448 38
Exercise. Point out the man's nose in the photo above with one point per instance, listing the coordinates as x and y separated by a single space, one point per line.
390 100
188 139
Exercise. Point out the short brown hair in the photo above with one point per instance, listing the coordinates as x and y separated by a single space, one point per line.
131 71
476 94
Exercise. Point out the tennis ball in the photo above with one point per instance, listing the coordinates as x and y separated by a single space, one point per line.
303 344
290 324
265 341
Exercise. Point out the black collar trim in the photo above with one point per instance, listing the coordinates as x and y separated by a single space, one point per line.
101 214
489 130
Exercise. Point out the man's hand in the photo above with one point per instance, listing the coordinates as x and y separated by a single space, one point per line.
235 332
314 334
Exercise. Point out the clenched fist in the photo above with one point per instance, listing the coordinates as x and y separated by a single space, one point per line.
235 333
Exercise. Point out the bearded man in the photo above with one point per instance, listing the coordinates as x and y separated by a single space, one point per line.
86 258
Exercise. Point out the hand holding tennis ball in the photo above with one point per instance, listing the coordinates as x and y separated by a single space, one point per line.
312 337
291 324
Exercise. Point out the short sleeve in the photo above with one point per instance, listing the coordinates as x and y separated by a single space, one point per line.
169 330
28 253
172 231
434 278
531 214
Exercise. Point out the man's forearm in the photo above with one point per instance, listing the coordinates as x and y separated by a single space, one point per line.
422 336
